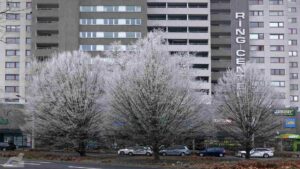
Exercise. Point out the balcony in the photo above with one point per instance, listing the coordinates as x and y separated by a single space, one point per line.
221 40
219 64
221 28
220 17
221 52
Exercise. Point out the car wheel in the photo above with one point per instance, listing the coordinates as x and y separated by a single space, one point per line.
130 153
122 153
148 154
182 154
201 155
221 155
266 156
164 154
243 155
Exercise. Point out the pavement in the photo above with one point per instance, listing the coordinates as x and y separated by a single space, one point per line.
28 164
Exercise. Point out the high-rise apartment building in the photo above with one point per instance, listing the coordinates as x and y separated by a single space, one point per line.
187 27
89 25
15 48
93 25
274 44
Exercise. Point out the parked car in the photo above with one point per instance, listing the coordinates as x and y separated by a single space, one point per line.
136 150
175 150
7 146
257 152
213 151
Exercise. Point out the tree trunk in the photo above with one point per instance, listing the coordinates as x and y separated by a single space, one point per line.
155 152
248 149
81 149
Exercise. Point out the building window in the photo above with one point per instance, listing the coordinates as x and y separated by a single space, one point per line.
12 77
257 60
277 48
177 17
91 48
11 89
294 98
293 64
292 31
256 36
292 20
198 42
12 16
110 35
278 83
28 52
12 28
157 5
256 2
198 54
110 21
13 4
28 28
276 13
276 24
157 17
294 87
292 9
293 53
177 5
12 65
10 52
198 17
293 75
110 8
197 5
276 36
256 24
200 66
277 71
256 13
29 5
198 29
276 2
13 40
277 60
28 40
257 48
292 42
28 16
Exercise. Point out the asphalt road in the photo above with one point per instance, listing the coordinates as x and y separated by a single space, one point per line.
64 165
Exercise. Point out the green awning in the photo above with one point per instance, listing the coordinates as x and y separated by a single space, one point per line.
288 136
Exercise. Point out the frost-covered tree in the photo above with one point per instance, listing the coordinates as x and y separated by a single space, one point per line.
246 103
152 102
66 100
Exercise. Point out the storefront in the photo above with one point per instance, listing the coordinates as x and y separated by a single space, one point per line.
11 121
290 142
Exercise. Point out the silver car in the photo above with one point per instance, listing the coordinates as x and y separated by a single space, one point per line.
257 152
175 151
136 150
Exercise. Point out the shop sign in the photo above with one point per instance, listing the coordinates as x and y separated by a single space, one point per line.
285 112
290 123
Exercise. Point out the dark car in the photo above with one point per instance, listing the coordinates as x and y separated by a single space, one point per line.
213 151
7 146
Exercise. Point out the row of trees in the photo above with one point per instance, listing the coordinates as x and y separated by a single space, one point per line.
144 95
